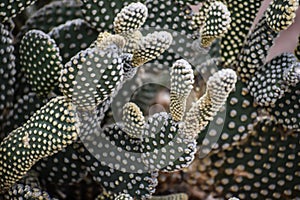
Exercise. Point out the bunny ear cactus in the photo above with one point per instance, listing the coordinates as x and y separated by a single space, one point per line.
130 18
52 15
218 88
144 147
100 14
64 168
50 129
9 9
264 32
181 86
169 16
242 16
107 46
246 171
249 61
72 37
240 114
165 145
91 49
265 90
285 109
152 45
281 14
285 73
114 162
7 71
41 61
133 119
213 19
81 80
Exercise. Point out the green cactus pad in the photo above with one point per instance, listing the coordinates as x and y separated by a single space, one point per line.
133 40
22 110
152 45
281 14
242 16
266 166
272 80
140 185
168 15
182 80
9 9
48 131
133 120
72 37
233 124
52 15
40 61
21 191
198 18
91 76
254 52
286 110
7 70
216 23
63 168
100 14
125 94
114 160
66 167
102 143
218 87
130 18
165 146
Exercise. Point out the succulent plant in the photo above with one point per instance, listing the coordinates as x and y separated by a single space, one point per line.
69 86
262 109
67 112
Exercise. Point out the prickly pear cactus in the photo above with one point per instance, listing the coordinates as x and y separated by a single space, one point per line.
242 162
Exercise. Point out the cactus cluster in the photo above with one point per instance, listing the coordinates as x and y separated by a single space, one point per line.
256 156
62 73
74 106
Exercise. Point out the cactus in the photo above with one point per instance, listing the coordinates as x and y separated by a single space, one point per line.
49 130
74 63
7 73
261 111
76 87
